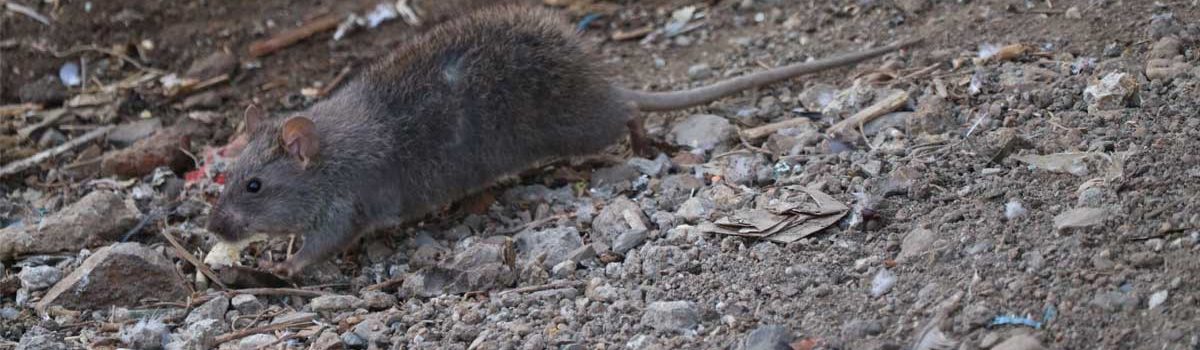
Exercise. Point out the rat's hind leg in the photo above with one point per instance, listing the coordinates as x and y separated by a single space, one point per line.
638 140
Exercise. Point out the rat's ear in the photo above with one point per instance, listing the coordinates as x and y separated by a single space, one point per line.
299 138
254 117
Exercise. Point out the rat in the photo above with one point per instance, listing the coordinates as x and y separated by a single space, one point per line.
470 102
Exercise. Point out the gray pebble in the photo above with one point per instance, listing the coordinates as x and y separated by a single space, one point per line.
39 277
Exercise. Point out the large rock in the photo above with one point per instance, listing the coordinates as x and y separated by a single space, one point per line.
98 218
118 275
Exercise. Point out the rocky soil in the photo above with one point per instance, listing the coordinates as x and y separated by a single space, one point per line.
1025 179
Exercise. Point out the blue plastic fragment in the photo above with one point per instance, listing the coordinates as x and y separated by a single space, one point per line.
587 20
1016 320
1049 313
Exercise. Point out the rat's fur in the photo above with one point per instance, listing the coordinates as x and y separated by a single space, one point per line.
474 100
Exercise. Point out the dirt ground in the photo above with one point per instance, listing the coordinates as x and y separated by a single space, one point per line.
955 229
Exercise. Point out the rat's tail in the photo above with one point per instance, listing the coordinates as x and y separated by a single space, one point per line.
672 100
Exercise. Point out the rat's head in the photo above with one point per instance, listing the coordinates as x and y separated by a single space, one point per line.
271 187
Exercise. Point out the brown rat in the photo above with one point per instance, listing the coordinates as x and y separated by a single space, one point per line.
475 99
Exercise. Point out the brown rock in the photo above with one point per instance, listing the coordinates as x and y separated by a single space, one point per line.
98 218
118 275
162 148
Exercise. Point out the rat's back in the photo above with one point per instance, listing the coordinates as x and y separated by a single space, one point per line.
485 96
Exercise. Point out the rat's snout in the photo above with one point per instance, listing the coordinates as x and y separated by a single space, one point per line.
225 224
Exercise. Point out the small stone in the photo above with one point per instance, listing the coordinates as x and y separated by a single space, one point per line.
1073 13
376 300
677 316
818 96
770 337
328 340
247 304
1115 90
1020 342
747 169
703 131
989 340
335 303
145 334
693 210
1158 298
353 341
9 313
1146 260
618 218
215 64
675 189
128 133
39 277
256 342
1091 197
555 243
47 90
583 254
491 250
104 280
663 260
1013 210
934 115
604 293
699 71
1080 218
1113 301
614 179
654 168
203 334
882 283
629 240
211 310
564 269
915 244
372 330
857 329
38 338
51 138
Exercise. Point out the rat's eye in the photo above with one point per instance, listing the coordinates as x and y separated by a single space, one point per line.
253 186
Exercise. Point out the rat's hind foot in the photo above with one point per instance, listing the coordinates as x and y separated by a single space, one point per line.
638 140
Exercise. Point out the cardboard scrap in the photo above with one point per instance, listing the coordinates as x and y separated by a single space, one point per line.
798 213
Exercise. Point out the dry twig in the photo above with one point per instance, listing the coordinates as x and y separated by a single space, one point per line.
21 165
287 38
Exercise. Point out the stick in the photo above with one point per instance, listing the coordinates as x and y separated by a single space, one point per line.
868 114
51 118
289 37
18 109
337 80
21 165
281 292
200 266
548 286
766 130
24 10
385 284
256 330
